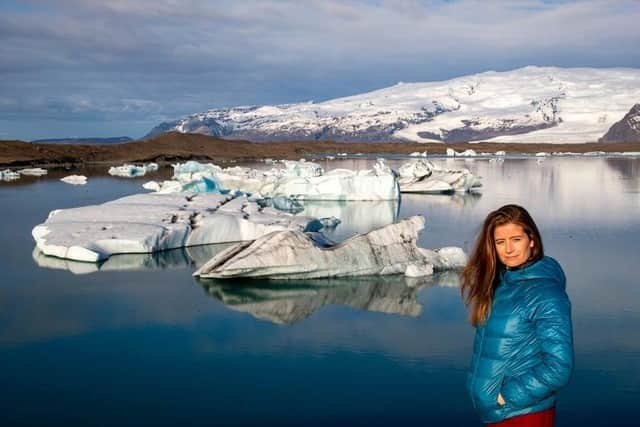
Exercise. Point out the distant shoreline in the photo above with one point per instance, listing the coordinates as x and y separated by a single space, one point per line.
174 147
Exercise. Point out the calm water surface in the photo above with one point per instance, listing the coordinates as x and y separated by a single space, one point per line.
138 341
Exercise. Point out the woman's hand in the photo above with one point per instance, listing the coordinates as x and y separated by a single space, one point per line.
501 401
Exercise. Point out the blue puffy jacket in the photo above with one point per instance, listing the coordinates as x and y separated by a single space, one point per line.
525 348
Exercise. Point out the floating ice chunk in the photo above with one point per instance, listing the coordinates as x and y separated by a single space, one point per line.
281 203
171 259
130 171
330 157
9 175
339 184
300 180
301 169
75 179
330 222
542 154
294 255
565 153
145 223
151 185
342 154
594 153
192 167
501 153
422 176
33 171
418 154
466 153
446 258
418 270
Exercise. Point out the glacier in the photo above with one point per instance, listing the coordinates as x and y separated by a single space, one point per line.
529 105
293 254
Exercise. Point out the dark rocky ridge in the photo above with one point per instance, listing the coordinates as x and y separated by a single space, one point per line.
626 130
110 140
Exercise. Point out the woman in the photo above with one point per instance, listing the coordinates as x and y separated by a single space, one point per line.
523 348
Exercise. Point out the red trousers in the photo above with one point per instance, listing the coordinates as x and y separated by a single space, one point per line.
536 419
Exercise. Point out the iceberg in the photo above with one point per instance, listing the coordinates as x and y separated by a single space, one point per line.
299 180
131 171
9 175
422 176
466 153
181 258
291 302
292 254
33 171
75 179
378 183
145 223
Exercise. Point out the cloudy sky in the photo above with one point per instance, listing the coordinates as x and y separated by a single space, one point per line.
80 68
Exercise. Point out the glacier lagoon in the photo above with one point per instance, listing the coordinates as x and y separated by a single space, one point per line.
138 341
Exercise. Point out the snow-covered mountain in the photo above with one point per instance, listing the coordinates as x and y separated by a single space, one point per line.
531 104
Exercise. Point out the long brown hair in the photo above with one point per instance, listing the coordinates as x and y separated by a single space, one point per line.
479 276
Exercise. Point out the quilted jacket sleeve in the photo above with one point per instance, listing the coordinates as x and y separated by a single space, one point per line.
551 316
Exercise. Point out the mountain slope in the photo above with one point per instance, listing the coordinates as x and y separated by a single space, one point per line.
531 104
627 129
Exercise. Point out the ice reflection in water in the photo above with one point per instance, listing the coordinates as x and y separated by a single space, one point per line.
193 256
291 301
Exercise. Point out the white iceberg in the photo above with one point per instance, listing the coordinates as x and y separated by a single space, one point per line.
145 223
74 179
418 154
33 171
297 180
466 153
181 258
131 171
9 175
293 254
423 176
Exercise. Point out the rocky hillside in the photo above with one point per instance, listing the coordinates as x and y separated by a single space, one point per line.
627 129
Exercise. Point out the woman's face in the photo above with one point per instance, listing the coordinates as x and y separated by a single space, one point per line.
512 244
